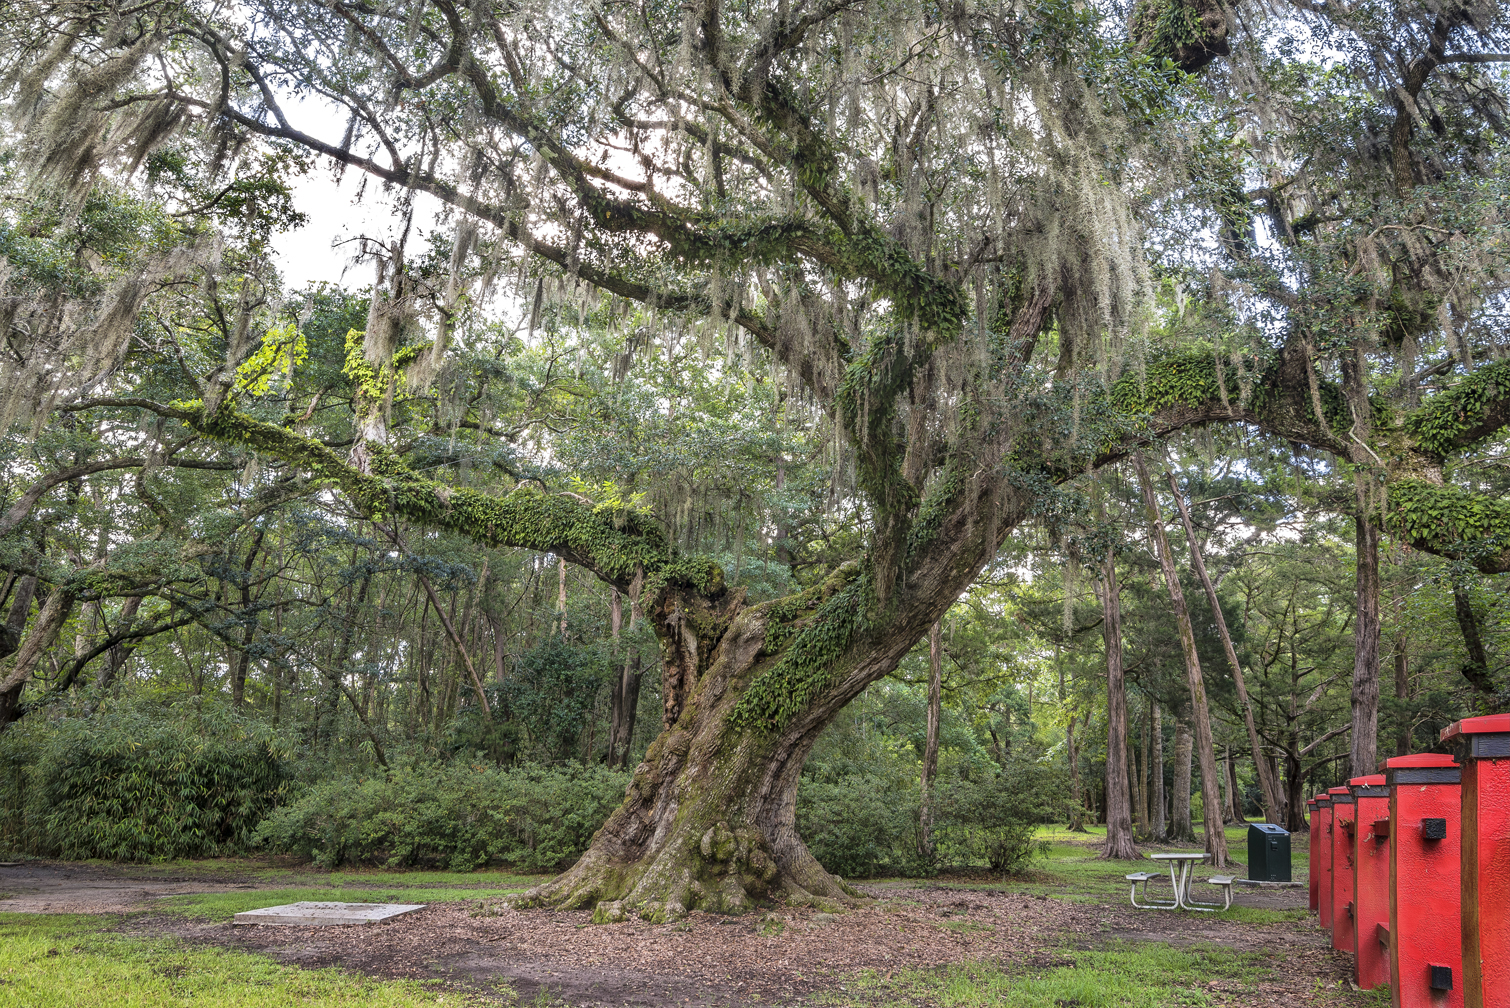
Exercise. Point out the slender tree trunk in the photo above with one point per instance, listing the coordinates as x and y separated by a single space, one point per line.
1180 828
450 627
1267 786
23 663
561 595
1402 694
1119 826
1234 791
1077 788
1138 748
931 741
116 657
1476 669
239 657
1160 821
1365 718
20 612
1295 809
1211 798
626 690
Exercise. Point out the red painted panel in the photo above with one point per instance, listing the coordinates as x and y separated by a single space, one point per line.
1478 725
1424 904
1313 855
1343 911
1322 852
1486 858
1371 881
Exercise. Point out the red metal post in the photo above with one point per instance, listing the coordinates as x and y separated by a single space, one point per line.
1323 855
1342 869
1425 937
1313 855
1370 881
1483 746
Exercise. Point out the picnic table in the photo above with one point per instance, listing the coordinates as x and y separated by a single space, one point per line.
1181 868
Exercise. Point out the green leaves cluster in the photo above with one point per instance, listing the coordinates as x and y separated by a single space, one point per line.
1445 518
1440 425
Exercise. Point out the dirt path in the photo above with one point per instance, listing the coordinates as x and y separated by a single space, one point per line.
61 887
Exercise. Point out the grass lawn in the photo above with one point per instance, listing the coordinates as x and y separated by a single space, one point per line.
1131 976
1072 870
58 961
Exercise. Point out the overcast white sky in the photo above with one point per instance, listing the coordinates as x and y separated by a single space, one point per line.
311 254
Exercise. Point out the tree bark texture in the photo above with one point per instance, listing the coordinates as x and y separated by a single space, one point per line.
1142 754
625 700
1365 700
1211 796
1160 820
239 657
1234 790
1180 828
1476 669
1119 826
23 662
931 740
709 820
1267 786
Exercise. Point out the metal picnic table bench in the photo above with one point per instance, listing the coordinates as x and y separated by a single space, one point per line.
1181 868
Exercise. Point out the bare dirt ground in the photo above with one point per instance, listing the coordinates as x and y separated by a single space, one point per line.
63 887
780 958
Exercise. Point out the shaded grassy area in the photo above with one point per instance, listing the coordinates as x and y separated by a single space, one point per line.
1124 976
64 961
1072 870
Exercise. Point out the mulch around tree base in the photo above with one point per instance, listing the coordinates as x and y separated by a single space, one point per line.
777 958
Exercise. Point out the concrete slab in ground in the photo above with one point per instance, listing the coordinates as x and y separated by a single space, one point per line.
321 914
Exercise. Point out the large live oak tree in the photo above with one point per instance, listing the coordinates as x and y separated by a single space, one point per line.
932 217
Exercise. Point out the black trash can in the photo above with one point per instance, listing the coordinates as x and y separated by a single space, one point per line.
1268 853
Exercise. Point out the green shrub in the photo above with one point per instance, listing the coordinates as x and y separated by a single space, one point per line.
534 818
860 825
138 783
992 817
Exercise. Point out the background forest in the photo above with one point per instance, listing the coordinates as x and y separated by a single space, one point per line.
207 652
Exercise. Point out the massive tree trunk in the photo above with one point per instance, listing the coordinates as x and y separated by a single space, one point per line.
709 821
1211 795
1119 827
